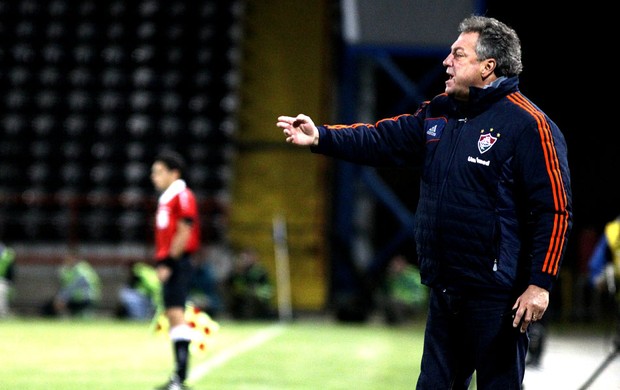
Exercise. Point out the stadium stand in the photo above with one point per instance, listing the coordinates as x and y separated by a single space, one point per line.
90 92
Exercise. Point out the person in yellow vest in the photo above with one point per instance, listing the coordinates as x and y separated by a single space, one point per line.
141 296
404 294
80 289
604 268
604 263
7 265
249 288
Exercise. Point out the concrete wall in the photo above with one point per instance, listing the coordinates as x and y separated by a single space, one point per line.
285 72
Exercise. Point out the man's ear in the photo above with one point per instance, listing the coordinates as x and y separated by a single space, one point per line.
488 67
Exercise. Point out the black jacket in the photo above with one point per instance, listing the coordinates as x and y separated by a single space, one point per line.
494 212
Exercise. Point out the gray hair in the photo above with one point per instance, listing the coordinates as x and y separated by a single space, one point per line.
496 40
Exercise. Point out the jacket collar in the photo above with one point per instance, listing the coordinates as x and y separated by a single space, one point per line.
174 189
481 98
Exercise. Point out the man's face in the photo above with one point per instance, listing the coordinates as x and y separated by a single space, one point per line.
161 176
463 67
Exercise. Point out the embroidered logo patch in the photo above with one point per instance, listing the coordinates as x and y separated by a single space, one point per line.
433 128
486 141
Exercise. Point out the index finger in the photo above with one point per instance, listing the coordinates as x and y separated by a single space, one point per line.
287 119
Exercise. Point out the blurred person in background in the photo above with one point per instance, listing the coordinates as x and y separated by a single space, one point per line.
249 288
604 264
177 239
585 305
537 333
7 275
80 289
586 299
404 295
205 289
141 296
495 206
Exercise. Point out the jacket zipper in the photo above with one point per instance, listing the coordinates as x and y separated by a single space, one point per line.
459 128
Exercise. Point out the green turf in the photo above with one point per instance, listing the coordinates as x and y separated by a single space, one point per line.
305 354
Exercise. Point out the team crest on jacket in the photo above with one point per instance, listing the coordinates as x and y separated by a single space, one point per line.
486 141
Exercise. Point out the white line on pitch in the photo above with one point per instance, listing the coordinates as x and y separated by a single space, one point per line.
237 349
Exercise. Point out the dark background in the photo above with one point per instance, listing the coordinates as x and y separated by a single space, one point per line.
565 72
566 69
566 54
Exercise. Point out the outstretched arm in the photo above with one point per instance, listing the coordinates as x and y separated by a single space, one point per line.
299 130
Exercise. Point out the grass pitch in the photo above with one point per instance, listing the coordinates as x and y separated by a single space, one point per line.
105 354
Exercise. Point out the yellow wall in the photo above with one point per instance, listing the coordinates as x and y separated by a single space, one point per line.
285 61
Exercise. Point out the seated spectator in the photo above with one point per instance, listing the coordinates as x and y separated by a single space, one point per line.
80 289
141 296
205 290
7 266
404 295
249 288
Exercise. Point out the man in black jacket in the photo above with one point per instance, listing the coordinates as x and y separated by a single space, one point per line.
494 212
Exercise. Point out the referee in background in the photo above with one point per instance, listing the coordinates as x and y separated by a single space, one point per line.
177 238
